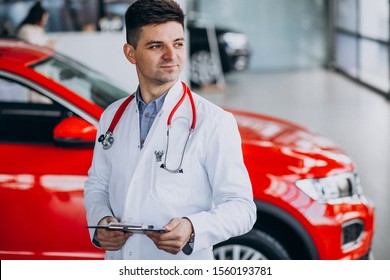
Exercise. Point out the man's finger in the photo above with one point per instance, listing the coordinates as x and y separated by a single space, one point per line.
172 224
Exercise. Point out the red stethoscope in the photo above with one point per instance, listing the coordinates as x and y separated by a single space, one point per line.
107 139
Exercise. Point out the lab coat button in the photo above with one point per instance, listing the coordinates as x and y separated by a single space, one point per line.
130 253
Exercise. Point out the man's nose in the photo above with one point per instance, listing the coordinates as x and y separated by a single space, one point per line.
169 53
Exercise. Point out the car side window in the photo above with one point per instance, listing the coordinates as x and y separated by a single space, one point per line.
27 116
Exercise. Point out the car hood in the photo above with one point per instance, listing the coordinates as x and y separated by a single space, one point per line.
269 141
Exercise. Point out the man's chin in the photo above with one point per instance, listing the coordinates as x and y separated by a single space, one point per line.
168 79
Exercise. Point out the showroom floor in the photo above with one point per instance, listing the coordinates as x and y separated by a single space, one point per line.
351 115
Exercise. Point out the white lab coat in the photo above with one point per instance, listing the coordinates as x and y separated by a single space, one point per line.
214 191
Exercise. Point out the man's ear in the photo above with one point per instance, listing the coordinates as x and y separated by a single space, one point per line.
129 51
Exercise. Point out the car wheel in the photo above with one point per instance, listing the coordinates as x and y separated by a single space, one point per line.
255 245
202 70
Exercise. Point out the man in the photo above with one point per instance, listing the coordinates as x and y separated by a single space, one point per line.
196 188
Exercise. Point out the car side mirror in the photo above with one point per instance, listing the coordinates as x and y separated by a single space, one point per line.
74 132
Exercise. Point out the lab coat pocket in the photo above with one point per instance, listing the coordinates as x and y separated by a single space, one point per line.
168 187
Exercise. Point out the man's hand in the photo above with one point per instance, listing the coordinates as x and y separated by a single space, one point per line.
178 233
111 240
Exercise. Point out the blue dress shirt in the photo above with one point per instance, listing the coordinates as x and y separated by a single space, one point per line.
147 114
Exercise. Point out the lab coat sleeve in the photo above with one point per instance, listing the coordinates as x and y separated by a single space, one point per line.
234 212
96 197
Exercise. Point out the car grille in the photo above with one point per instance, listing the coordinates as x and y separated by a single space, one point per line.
352 233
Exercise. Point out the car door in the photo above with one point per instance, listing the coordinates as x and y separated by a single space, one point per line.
41 183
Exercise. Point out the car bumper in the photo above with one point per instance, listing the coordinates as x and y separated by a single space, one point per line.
343 231
325 231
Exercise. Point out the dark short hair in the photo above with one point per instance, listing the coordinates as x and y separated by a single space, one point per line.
35 14
145 12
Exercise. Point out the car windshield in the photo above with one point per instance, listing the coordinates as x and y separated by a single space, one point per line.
84 81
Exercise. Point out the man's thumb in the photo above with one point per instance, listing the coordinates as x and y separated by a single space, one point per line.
172 224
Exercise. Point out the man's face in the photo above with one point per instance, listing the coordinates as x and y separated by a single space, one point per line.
160 53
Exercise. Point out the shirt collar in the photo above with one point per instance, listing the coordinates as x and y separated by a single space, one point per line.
159 102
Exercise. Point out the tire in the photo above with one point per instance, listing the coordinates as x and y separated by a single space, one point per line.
255 245
202 70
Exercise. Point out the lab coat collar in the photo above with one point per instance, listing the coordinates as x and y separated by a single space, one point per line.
156 139
158 130
173 96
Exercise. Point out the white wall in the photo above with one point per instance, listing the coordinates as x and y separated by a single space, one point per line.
283 34
102 52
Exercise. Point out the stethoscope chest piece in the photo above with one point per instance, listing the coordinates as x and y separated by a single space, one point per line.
107 140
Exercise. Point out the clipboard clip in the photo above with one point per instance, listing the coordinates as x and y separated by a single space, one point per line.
134 228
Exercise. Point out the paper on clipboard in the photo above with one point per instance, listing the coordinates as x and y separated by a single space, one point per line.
135 228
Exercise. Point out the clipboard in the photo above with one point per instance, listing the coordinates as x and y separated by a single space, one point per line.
129 228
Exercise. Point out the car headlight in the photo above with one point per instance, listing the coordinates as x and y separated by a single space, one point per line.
333 189
235 41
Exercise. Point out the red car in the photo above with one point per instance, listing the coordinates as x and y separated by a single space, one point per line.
309 199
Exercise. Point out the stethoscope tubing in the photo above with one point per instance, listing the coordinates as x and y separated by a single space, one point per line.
187 91
107 139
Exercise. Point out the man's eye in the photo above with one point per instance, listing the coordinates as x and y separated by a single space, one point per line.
179 45
155 46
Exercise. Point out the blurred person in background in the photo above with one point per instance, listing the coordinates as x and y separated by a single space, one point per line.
31 29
